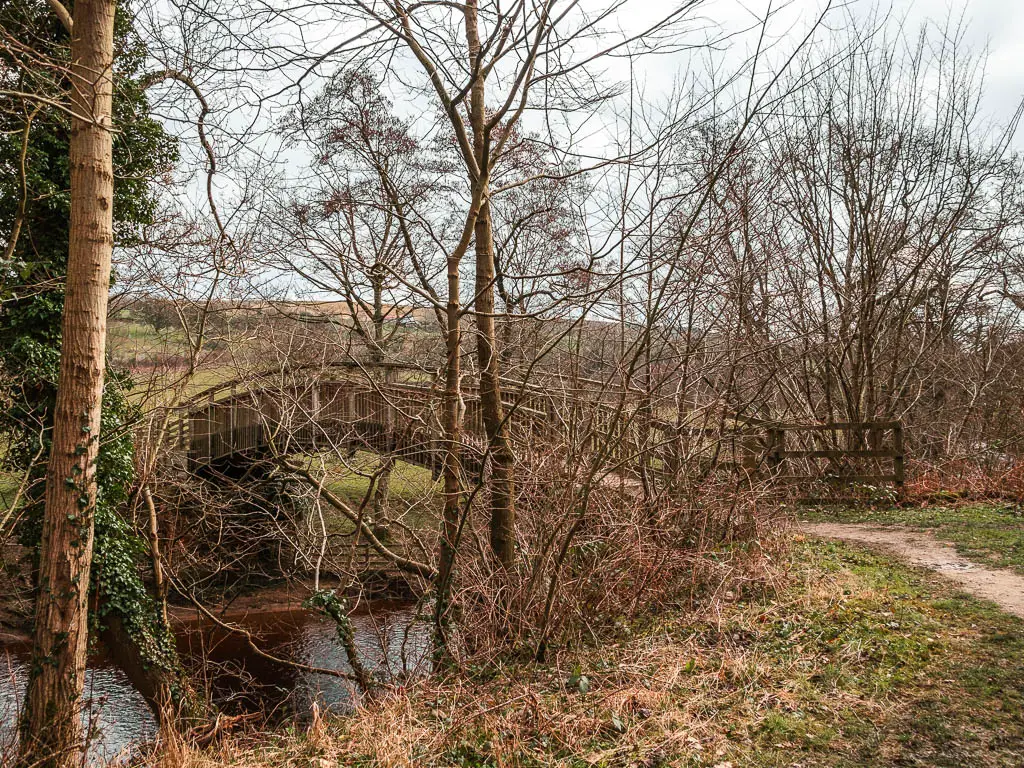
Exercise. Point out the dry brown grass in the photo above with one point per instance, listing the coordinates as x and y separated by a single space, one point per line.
965 480
856 662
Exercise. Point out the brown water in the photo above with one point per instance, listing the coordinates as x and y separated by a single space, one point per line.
390 641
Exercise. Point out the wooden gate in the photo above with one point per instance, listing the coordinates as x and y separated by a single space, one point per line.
868 453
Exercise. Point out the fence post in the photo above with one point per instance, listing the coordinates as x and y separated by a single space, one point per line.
231 421
209 428
776 440
897 460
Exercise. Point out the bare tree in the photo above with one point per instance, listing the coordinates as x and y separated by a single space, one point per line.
898 203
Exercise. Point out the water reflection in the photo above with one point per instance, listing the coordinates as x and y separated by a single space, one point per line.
388 636
116 713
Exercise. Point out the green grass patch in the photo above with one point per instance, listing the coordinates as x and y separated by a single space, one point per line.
9 483
128 339
413 494
991 534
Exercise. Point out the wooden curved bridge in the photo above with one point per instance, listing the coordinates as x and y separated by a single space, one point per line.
396 409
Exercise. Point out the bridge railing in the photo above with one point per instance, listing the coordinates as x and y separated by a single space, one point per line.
400 412
246 415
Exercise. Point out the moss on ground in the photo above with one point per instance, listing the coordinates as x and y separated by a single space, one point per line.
991 534
855 661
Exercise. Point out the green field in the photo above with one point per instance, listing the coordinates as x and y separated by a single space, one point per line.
413 494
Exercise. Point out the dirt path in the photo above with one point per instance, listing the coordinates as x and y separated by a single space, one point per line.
1003 587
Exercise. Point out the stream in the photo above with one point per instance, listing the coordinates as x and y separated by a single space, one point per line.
390 641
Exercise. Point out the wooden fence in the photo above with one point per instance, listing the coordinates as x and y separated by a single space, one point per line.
866 453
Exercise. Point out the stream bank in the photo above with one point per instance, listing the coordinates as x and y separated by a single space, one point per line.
390 639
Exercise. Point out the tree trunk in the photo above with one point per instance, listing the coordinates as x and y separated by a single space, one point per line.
383 486
51 729
164 687
452 470
503 513
452 418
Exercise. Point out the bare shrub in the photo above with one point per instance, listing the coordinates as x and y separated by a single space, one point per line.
592 567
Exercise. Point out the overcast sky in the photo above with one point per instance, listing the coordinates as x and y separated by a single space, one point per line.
997 25
992 26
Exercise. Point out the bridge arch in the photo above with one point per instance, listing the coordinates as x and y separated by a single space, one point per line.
392 409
